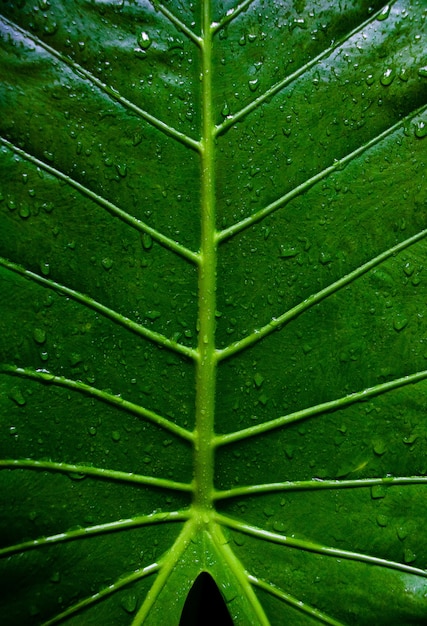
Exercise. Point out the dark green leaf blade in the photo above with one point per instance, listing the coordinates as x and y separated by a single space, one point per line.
213 352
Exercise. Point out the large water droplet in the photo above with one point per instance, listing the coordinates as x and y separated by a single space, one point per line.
144 41
387 77
384 13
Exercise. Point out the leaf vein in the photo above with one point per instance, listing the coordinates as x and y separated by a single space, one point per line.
269 93
315 298
106 204
316 548
320 409
236 228
45 377
166 129
87 301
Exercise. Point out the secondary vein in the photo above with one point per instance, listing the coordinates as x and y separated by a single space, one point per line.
104 593
96 472
111 92
91 531
318 484
321 409
118 318
232 119
46 377
113 209
236 228
303 607
311 546
177 22
315 298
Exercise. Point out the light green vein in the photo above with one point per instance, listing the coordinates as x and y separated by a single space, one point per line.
310 546
97 472
104 593
45 377
317 484
294 602
313 180
171 558
236 567
127 323
110 91
274 89
230 15
334 287
320 409
97 529
176 22
114 210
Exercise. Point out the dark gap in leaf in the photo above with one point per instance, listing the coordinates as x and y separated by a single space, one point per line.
204 604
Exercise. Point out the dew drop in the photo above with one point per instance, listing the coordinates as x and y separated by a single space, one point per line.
107 263
115 435
420 129
382 520
144 41
24 211
254 84
16 395
45 268
423 71
225 110
258 379
121 169
129 602
147 241
387 77
384 13
399 322
39 335
409 556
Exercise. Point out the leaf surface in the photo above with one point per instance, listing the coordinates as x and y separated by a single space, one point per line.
213 331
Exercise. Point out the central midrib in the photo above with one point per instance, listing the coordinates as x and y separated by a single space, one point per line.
206 358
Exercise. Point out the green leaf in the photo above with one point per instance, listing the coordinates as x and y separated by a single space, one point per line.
213 331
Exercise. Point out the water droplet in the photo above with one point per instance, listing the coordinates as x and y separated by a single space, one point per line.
115 435
121 169
258 379
225 110
39 335
384 13
45 268
144 41
242 40
55 578
370 79
92 431
147 241
254 84
379 448
107 263
409 556
153 315
378 492
423 71
382 520
403 74
129 602
420 129
24 211
399 322
387 77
